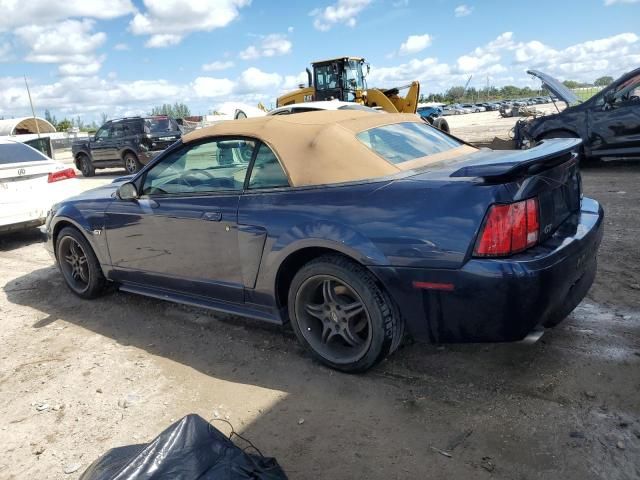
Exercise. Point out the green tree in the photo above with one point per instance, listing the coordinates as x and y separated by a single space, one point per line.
103 118
78 123
50 118
177 110
603 81
454 94
180 110
64 125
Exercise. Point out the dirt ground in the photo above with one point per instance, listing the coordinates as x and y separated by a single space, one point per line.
79 377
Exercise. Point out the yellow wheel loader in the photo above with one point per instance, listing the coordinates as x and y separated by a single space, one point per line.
343 79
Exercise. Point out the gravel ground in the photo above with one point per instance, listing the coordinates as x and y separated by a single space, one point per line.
80 377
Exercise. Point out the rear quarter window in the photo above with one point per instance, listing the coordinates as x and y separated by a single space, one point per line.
19 153
402 142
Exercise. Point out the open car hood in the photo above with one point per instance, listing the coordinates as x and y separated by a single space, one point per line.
556 87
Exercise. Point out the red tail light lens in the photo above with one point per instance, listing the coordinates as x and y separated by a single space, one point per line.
509 229
61 175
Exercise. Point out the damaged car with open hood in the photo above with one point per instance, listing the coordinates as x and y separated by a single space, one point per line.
608 123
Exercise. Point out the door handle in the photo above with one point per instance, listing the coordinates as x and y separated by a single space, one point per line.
212 216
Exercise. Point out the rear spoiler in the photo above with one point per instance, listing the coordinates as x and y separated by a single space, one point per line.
515 163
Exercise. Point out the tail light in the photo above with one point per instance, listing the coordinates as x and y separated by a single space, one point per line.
61 175
509 229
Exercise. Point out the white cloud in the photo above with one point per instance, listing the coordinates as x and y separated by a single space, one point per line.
209 87
254 80
56 43
608 3
463 10
271 45
163 40
5 51
41 12
343 11
415 44
168 21
78 69
217 66
72 43
291 82
584 60
504 60
121 47
425 70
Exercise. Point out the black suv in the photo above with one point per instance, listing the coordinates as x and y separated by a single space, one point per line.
129 142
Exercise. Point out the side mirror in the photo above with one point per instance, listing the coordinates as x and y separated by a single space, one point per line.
127 191
609 98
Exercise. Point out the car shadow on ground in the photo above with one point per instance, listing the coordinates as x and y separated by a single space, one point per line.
15 240
390 422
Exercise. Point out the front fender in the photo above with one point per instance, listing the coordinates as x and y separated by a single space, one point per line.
91 225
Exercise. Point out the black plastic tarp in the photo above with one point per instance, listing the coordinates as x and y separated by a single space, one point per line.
189 449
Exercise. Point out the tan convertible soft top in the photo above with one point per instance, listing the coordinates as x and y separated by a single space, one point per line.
318 148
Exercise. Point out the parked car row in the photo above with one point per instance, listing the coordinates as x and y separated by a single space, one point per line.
461 108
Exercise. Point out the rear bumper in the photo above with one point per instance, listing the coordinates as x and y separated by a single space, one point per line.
497 300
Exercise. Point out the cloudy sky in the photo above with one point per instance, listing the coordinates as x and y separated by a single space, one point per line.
121 57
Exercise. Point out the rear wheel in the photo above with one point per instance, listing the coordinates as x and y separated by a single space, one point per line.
78 264
86 165
342 316
131 163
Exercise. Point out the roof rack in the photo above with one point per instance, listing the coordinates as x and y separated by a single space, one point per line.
138 117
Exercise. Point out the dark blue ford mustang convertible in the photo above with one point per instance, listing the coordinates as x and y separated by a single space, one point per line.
356 227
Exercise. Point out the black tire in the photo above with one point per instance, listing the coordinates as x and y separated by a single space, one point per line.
83 277
131 163
86 165
441 124
357 340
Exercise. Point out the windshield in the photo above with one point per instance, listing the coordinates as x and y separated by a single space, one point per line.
160 125
402 142
353 75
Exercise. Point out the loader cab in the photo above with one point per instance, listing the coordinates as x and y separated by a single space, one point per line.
339 79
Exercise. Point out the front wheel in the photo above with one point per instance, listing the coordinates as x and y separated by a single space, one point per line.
131 163
340 314
78 264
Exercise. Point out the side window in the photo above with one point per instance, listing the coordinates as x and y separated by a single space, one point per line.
133 128
117 131
267 171
103 133
628 91
211 166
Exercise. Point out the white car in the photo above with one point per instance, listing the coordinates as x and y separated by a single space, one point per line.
322 105
30 183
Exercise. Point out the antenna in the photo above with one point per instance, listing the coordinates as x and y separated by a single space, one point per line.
33 112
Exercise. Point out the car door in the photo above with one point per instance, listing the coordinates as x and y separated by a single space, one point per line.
614 120
100 143
114 143
181 234
266 191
